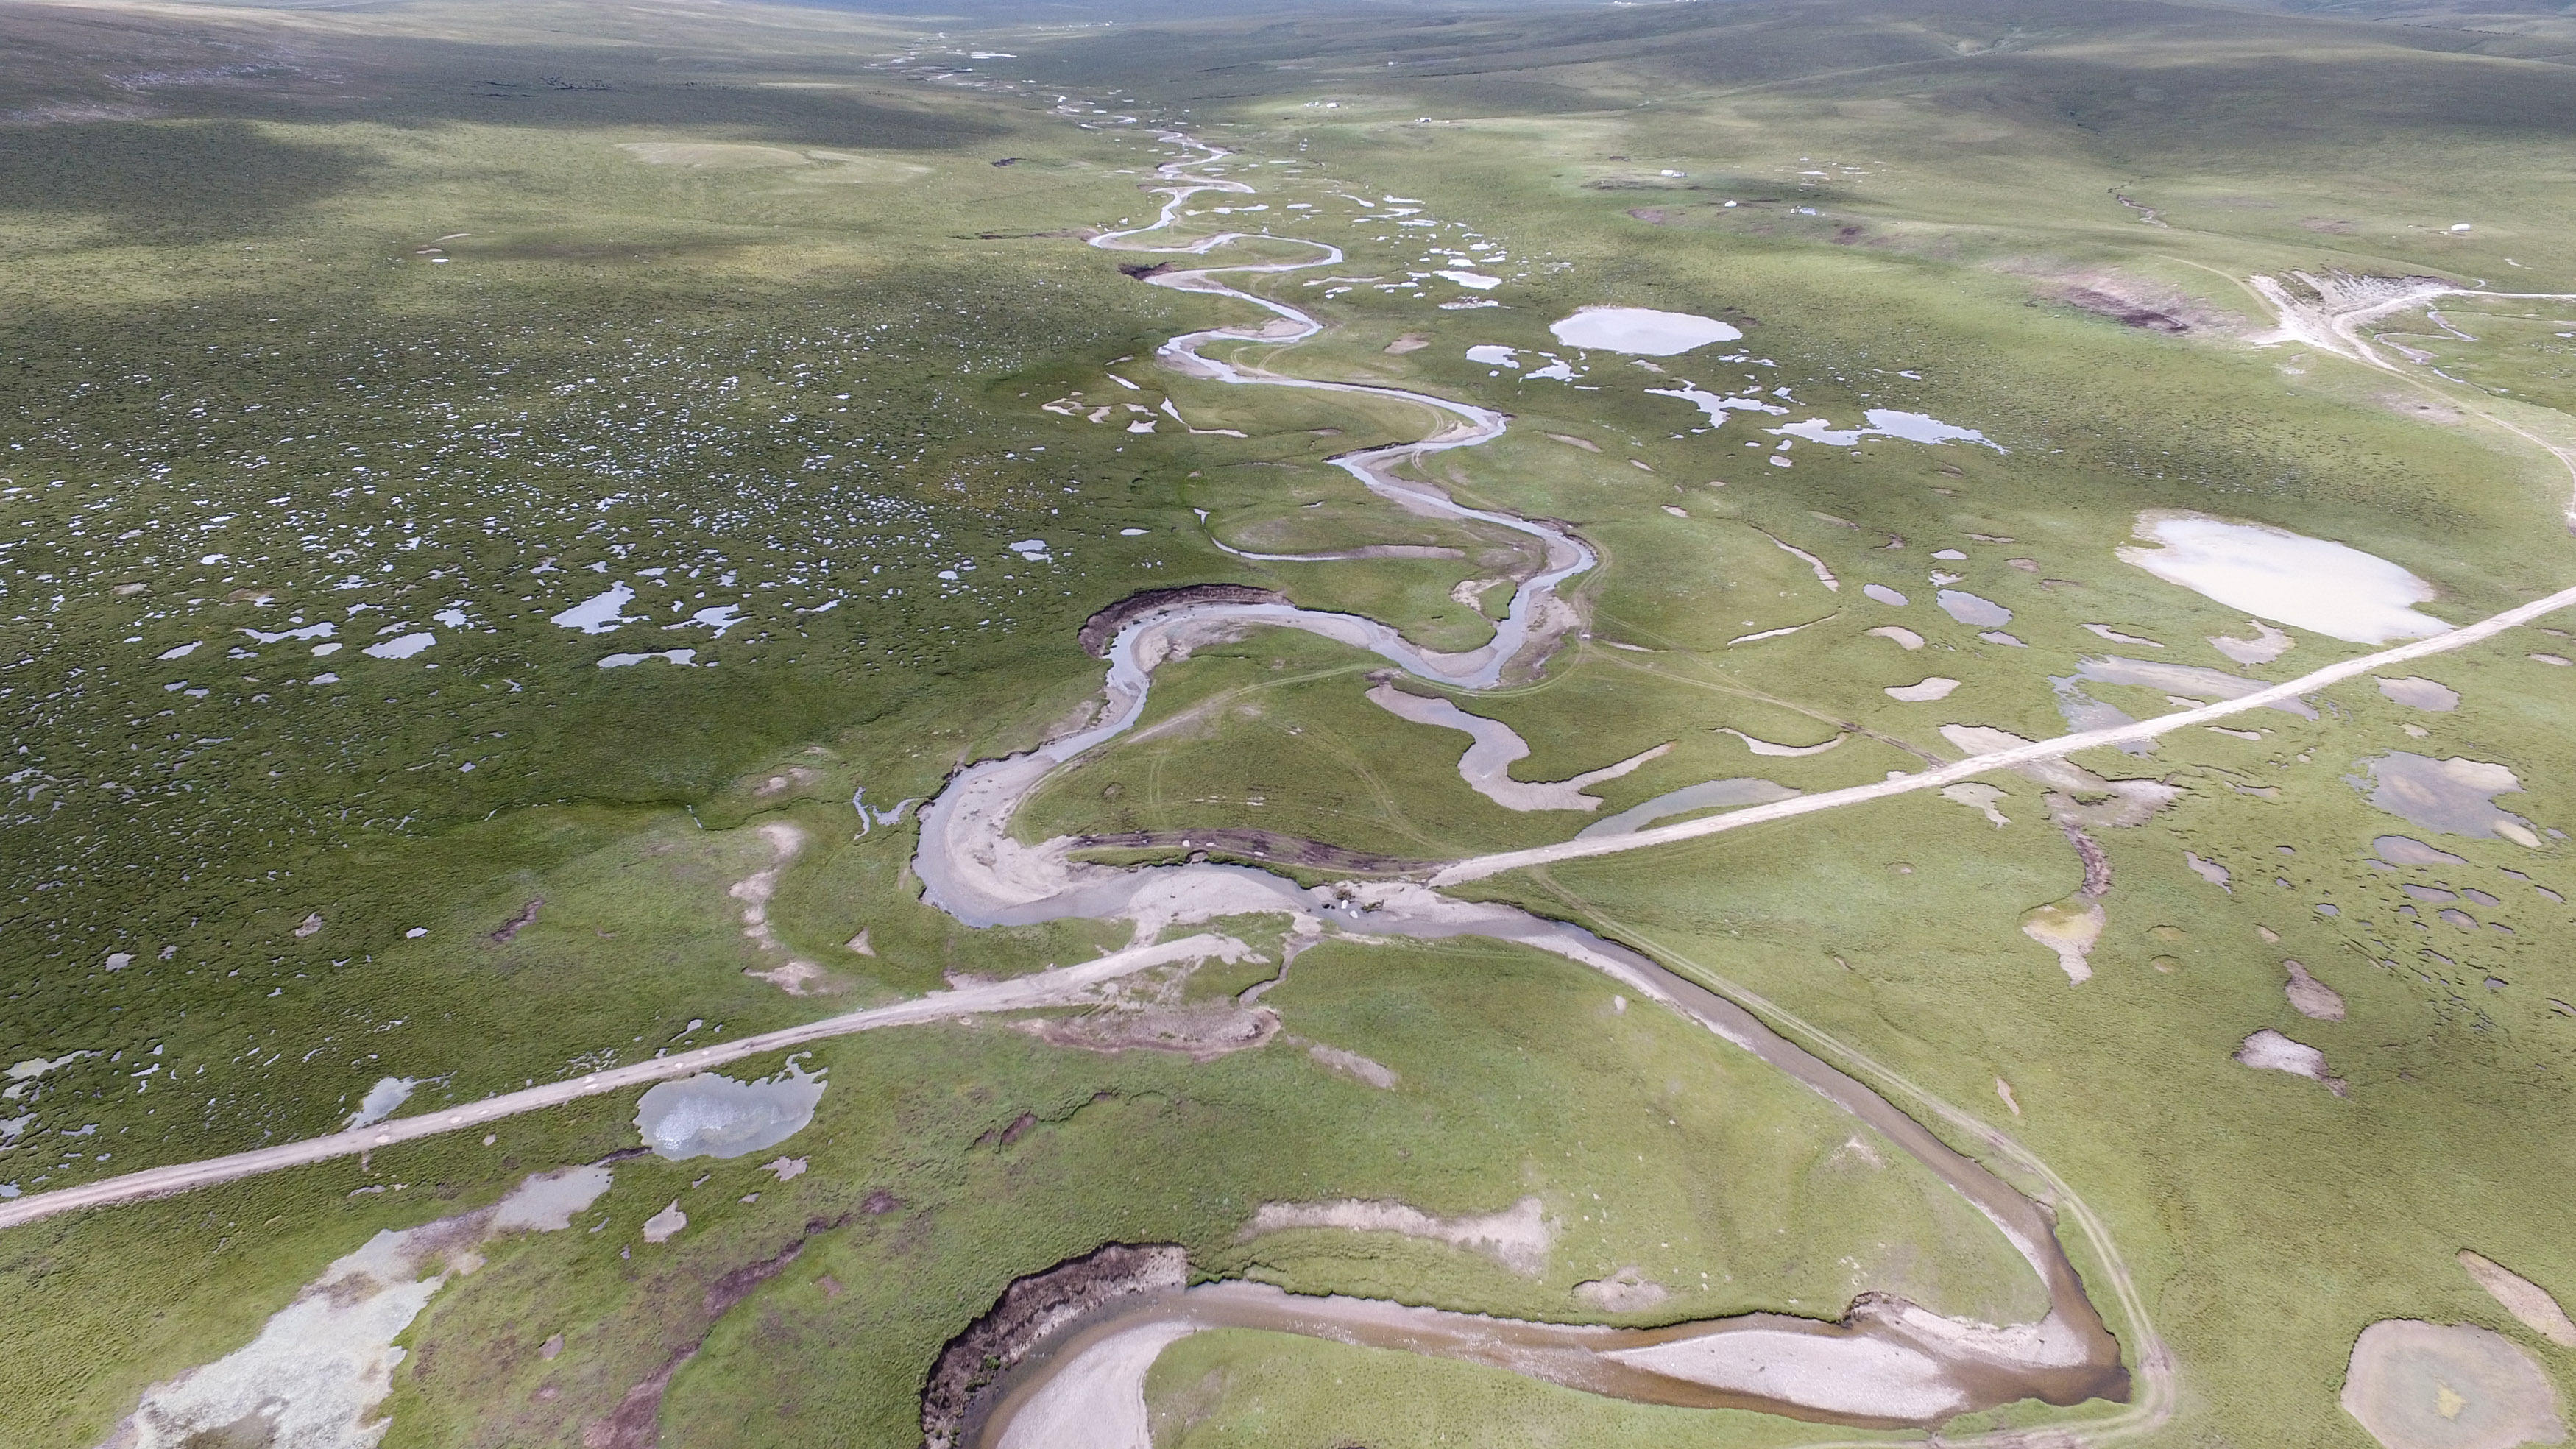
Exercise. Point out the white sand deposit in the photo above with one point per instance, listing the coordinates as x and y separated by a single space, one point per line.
796 976
1627 1291
1840 1375
2310 583
1640 331
2117 637
665 1225
1353 1065
1098 1400
1814 564
2267 644
1979 796
2310 997
1766 747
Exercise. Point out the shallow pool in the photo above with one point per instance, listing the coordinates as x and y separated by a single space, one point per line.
1640 331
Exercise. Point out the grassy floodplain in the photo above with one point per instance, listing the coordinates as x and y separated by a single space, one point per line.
773 330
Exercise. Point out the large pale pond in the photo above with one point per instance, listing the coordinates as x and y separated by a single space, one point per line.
712 1116
2311 583
1640 331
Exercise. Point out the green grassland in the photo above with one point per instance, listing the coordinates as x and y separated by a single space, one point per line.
1516 1076
312 310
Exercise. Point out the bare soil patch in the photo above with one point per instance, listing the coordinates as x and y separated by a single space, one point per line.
1627 1291
2312 998
1517 1237
2525 1300
1201 1031
2269 1051
509 930
2418 1385
1258 845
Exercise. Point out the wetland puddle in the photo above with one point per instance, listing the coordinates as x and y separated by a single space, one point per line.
713 1116
599 613
1640 331
1886 423
2311 583
2454 796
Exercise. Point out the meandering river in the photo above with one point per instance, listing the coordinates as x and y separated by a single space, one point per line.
1891 1363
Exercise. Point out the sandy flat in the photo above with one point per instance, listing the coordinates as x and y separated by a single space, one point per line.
2269 1051
1837 1374
1098 1400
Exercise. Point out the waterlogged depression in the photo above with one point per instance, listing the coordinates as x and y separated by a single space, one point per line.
1886 423
715 1116
2331 588
601 612
381 1100
1641 331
